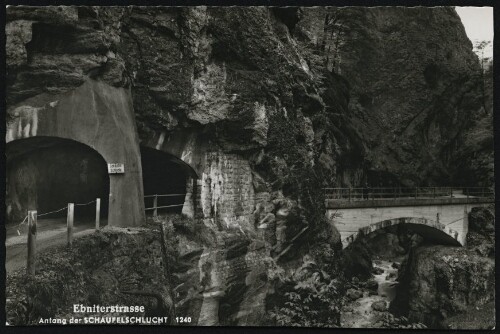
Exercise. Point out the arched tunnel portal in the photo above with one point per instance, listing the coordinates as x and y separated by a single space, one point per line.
46 173
169 179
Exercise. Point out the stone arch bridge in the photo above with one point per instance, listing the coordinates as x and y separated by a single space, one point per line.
439 214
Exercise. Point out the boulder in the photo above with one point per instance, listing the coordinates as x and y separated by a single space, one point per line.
380 306
353 294
357 261
481 236
482 220
371 285
391 276
440 282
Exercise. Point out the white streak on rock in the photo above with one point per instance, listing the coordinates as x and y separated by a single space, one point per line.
160 140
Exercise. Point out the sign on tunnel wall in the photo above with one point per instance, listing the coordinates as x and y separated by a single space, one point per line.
116 168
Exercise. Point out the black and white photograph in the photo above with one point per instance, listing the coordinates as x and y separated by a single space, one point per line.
263 166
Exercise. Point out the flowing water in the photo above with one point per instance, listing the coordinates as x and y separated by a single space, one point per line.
359 313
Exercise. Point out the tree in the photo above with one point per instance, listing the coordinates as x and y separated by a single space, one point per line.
332 36
480 48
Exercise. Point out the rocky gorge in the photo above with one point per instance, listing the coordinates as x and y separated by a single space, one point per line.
401 280
264 106
443 286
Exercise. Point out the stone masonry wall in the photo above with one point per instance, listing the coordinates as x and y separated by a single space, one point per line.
226 191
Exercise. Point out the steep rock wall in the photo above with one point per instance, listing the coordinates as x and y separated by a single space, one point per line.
416 89
395 97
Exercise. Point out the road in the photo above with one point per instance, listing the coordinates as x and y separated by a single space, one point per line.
51 232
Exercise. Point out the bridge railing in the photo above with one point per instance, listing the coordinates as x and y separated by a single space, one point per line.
360 194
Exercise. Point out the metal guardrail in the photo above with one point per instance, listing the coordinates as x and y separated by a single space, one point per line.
155 206
363 194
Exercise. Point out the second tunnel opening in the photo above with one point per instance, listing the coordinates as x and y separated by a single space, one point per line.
165 178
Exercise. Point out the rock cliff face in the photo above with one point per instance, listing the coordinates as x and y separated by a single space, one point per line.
415 91
264 105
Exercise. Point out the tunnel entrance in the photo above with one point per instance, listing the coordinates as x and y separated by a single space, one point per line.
47 173
167 177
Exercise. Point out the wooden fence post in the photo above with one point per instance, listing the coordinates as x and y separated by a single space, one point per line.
349 194
155 204
97 213
465 226
30 267
71 214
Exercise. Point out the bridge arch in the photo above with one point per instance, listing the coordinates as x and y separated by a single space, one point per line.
427 228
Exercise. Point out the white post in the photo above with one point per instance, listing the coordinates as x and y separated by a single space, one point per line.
155 204
465 226
97 213
71 212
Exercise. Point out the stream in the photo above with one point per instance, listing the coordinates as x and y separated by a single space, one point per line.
359 313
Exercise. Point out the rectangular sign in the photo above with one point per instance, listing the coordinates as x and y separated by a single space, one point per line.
116 168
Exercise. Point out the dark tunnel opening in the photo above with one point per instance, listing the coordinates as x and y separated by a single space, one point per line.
164 175
47 173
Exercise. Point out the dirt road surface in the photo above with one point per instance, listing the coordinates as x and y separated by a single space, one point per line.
51 232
